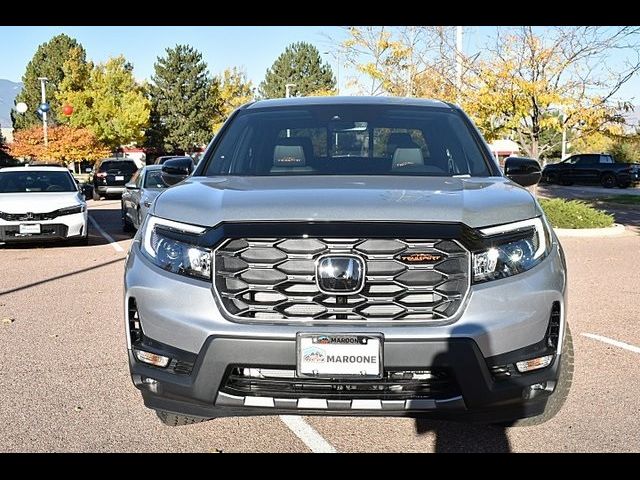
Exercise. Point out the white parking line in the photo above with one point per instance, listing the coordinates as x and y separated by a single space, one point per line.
108 237
307 434
615 343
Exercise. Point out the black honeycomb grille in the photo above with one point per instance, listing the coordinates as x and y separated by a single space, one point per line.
406 279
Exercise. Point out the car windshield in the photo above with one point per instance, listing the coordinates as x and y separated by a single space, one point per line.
153 179
36 181
349 140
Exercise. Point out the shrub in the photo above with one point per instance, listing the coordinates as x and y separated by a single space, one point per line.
574 214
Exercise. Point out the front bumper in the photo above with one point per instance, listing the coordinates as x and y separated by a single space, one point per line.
502 321
60 228
480 397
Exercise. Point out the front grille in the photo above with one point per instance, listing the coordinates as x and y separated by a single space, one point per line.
12 232
406 279
31 217
395 385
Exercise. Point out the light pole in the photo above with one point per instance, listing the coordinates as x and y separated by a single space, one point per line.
43 81
287 87
564 135
458 62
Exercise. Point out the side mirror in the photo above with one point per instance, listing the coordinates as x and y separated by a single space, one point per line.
131 186
176 170
523 171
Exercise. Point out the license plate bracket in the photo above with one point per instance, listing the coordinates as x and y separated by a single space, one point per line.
30 229
339 355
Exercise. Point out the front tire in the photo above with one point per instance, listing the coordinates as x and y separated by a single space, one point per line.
127 226
173 420
608 180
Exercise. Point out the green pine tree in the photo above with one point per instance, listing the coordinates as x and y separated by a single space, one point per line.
181 107
301 64
47 62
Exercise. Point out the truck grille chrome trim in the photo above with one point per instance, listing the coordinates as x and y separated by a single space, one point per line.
405 280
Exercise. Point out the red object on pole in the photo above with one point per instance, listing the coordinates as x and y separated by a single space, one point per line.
67 110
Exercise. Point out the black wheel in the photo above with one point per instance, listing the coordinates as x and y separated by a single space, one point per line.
624 184
608 180
173 420
560 394
550 178
127 226
566 182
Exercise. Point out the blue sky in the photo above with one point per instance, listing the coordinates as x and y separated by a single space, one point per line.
253 48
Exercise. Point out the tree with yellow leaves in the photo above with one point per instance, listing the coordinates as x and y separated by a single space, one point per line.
230 90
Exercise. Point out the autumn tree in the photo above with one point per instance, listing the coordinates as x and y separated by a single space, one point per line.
65 144
113 106
231 90
529 75
300 64
48 61
182 110
409 61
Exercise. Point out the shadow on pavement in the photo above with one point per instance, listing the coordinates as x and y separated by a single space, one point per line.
465 437
462 436
110 220
58 277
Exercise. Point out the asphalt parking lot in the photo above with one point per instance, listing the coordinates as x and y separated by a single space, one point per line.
65 383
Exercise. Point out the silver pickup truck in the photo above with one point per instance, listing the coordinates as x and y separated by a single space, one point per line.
349 256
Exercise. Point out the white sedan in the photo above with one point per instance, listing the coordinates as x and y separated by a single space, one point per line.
41 203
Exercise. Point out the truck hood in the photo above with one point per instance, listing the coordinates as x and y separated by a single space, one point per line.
38 202
476 202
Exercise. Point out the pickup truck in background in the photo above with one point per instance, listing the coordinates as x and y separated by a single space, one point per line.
592 168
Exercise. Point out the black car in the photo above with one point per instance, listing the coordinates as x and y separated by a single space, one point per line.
161 160
110 175
592 168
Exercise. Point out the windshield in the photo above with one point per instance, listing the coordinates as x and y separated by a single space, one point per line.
36 181
153 179
349 140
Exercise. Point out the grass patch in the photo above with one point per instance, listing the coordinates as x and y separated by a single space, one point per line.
621 199
574 214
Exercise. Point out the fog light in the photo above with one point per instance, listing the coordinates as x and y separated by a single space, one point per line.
534 363
151 358
151 384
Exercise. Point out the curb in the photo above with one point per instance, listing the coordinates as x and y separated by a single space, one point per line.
614 231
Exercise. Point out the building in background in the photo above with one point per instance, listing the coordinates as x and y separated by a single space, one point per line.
504 148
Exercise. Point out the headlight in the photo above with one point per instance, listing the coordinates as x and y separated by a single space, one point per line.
511 249
71 210
173 255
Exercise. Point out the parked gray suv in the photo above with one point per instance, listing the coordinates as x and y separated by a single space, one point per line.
349 256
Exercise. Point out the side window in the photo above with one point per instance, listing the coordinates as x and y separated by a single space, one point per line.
606 159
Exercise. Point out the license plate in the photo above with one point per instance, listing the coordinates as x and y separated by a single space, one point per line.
119 177
338 355
27 228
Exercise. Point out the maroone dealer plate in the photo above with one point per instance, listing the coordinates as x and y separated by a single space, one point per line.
339 355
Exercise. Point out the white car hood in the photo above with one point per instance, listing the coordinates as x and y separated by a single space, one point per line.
38 202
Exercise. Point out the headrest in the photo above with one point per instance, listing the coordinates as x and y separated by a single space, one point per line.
292 152
399 140
403 157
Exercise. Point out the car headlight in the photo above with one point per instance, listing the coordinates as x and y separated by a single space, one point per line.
511 249
161 245
72 210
